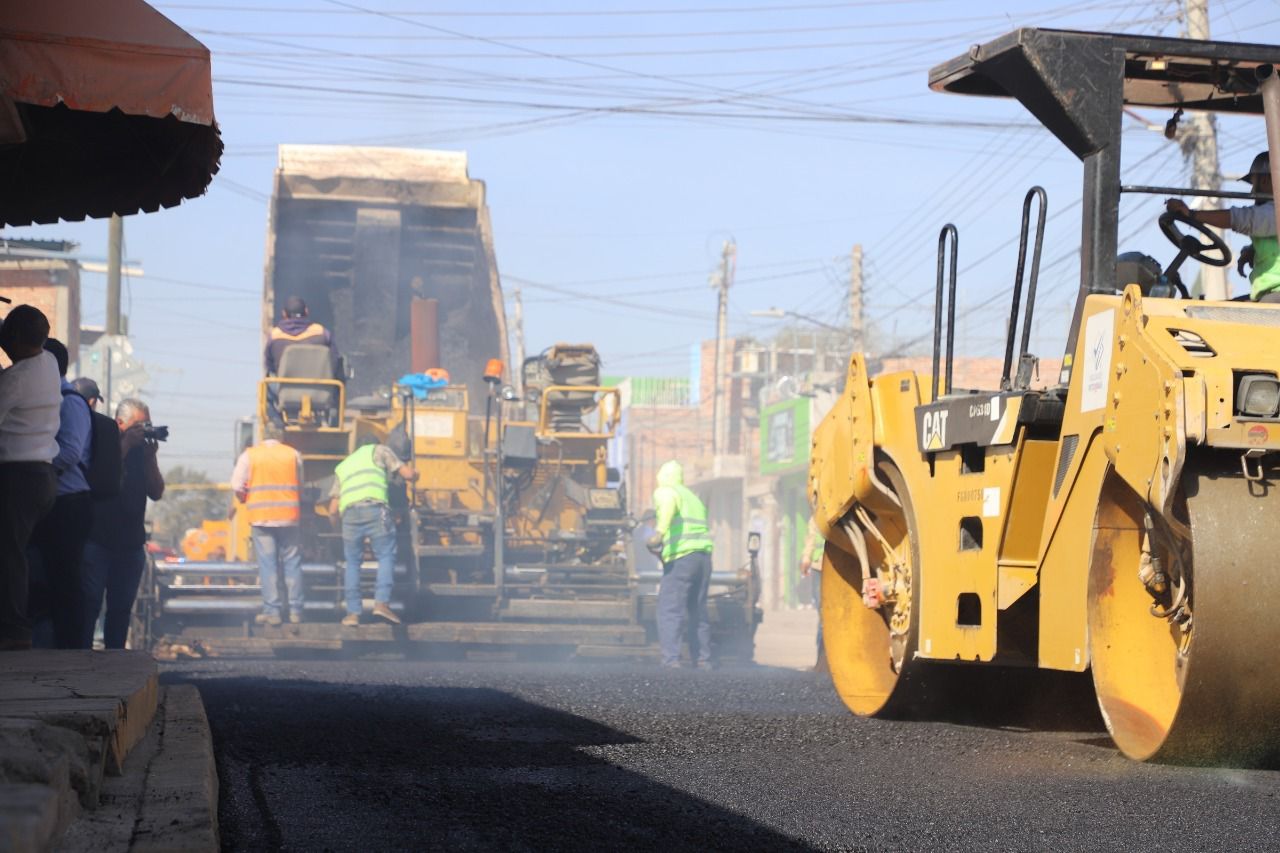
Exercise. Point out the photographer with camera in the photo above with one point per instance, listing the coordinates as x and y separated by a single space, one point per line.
115 554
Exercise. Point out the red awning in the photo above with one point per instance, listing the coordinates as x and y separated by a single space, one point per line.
106 106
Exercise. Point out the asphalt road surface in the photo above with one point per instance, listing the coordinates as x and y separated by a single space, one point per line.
384 755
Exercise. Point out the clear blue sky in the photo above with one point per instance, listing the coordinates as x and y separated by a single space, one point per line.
622 142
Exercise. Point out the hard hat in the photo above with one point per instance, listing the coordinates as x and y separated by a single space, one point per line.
1261 166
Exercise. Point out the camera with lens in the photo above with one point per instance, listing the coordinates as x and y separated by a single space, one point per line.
155 433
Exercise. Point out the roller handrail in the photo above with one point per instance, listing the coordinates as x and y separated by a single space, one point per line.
1007 376
945 387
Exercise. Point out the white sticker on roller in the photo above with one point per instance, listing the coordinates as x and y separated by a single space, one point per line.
433 424
995 408
1099 331
991 502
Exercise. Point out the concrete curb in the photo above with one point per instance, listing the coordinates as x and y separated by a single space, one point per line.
180 805
105 695
167 797
67 720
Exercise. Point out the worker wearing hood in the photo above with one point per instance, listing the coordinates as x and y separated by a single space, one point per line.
684 542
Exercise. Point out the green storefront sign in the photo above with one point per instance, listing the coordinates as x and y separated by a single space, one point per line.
784 436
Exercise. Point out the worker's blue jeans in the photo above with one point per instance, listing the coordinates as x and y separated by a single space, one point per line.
682 603
115 573
372 520
278 548
815 577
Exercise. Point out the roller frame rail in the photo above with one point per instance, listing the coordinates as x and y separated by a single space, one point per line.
1122 521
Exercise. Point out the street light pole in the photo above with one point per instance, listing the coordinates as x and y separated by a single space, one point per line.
1201 146
719 405
518 368
855 298
115 242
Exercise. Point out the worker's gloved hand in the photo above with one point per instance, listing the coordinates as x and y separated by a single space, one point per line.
1245 257
654 543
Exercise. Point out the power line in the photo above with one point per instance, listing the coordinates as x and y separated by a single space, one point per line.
588 61
609 300
849 118
771 32
589 13
199 284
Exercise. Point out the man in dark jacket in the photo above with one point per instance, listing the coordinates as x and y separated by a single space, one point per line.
57 542
115 554
296 327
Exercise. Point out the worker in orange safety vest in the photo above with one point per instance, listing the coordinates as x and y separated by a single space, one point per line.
267 479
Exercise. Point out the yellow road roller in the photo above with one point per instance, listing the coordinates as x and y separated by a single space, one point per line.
1126 520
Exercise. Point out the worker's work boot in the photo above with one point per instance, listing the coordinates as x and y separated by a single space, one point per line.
294 617
351 620
382 611
272 619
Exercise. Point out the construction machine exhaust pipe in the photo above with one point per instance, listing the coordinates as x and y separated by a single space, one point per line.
424 327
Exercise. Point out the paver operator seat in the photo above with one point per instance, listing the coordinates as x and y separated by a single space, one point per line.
306 361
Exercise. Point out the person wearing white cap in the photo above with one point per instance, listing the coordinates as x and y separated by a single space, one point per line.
1258 222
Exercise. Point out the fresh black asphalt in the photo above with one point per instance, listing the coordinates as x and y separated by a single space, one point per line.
391 755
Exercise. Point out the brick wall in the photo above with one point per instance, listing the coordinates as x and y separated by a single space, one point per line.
53 286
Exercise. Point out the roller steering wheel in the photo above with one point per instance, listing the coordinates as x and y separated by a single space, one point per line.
1188 246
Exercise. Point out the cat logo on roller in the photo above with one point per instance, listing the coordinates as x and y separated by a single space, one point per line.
935 429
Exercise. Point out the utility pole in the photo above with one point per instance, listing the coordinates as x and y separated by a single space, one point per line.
855 299
719 396
517 372
115 242
1200 145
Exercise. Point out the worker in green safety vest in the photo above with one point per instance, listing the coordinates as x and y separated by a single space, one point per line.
810 562
1258 222
682 539
360 496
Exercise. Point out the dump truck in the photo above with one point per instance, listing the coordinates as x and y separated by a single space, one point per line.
1120 522
514 533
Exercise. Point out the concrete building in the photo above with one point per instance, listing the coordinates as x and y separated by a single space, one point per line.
50 283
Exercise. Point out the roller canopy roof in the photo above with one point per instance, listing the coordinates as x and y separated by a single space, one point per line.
105 107
1075 82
